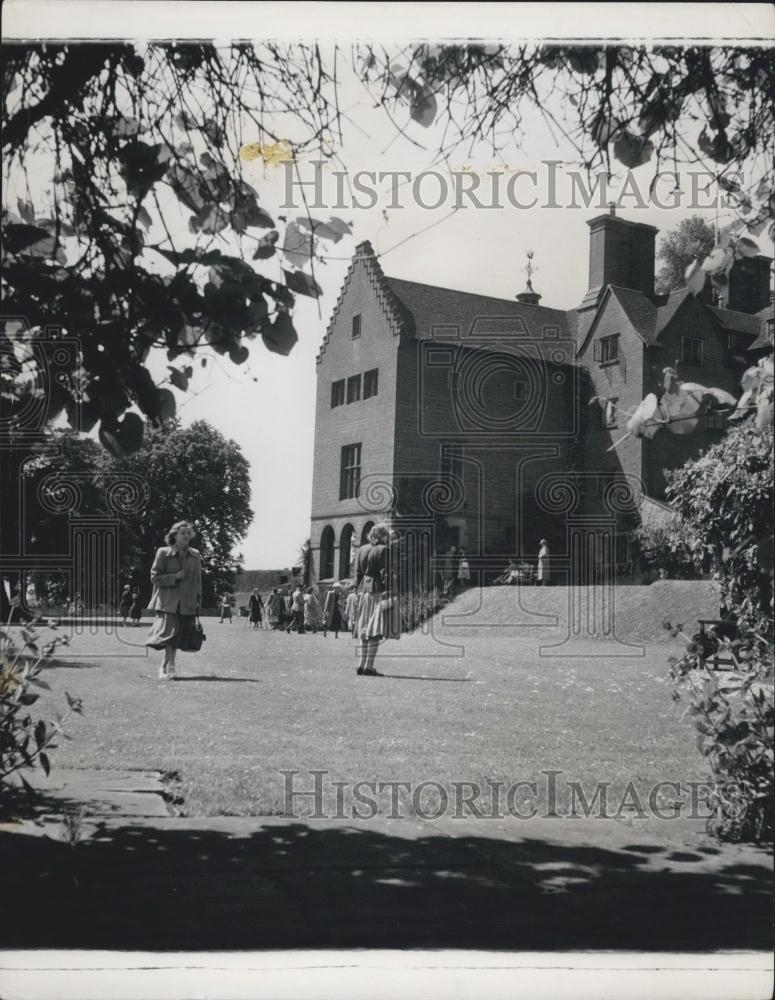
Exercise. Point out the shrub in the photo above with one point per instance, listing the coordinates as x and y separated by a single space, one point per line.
25 743
734 716
669 550
724 502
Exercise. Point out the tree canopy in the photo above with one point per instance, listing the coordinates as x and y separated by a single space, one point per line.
692 239
192 473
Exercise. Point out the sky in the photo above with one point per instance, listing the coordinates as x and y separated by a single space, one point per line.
473 249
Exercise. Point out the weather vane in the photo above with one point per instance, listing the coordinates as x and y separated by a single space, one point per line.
529 269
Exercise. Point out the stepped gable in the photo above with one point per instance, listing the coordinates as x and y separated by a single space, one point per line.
400 319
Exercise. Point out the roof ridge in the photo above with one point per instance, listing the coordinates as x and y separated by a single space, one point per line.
479 295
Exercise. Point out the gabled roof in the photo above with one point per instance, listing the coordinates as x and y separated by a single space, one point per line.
399 319
668 305
640 311
433 308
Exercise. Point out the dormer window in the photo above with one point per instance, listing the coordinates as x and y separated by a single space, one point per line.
607 349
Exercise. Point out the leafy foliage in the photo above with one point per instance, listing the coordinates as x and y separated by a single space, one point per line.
723 504
733 715
724 500
690 240
621 105
106 147
668 549
192 472
24 742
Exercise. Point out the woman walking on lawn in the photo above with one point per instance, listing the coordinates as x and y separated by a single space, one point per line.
376 597
136 611
332 612
176 576
275 607
226 608
125 604
256 606
351 610
297 612
313 617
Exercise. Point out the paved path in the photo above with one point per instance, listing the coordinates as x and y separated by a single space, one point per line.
140 878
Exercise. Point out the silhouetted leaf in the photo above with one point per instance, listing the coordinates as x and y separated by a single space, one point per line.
280 336
302 283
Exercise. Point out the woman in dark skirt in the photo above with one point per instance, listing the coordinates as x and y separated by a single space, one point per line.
136 611
176 576
256 606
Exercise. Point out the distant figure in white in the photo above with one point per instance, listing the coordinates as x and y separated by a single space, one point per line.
542 576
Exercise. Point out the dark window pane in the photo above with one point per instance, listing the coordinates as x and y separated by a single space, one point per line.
353 388
337 393
371 383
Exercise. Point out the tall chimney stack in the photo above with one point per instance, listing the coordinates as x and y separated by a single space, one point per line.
620 253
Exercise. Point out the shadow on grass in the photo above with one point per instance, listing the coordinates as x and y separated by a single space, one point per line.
290 885
418 677
212 677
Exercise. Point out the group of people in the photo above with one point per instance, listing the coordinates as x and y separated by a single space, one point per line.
130 605
519 572
370 609
300 611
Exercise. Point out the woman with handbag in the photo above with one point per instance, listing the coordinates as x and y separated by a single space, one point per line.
176 576
376 600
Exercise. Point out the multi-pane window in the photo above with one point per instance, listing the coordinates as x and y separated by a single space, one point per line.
692 350
356 326
350 472
353 388
337 393
607 349
370 383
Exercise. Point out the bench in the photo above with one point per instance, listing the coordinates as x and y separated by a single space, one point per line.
707 637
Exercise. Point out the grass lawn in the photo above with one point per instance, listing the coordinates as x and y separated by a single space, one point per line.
253 704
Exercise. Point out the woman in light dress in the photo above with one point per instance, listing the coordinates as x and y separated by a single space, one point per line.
377 599
176 576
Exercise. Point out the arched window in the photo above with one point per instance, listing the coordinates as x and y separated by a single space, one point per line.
345 550
327 540
365 533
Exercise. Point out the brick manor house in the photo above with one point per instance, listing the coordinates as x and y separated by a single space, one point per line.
465 419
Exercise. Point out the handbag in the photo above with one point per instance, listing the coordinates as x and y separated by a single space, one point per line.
196 638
